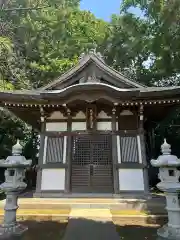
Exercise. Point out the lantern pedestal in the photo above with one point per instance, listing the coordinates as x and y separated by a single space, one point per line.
14 175
169 175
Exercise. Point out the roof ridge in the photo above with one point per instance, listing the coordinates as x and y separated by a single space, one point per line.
83 60
114 70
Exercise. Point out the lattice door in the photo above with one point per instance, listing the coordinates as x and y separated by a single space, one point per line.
80 181
92 164
101 160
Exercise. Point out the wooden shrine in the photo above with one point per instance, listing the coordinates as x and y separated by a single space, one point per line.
92 123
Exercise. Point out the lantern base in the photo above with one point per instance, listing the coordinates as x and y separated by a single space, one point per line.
12 231
169 233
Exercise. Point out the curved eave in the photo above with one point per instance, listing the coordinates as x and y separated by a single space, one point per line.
90 88
24 95
151 93
26 104
43 97
160 92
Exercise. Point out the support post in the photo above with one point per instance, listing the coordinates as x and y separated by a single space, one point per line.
41 154
114 153
68 151
143 149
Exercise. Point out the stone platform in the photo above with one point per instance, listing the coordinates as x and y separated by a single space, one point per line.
62 209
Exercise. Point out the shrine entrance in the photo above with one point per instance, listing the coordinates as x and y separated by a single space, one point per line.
92 170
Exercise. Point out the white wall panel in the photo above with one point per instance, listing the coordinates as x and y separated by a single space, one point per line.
56 126
64 149
117 126
53 179
45 149
118 149
78 126
131 180
139 149
104 126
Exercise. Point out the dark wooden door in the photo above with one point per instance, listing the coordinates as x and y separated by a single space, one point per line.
92 164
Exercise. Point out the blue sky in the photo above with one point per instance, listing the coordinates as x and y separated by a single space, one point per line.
103 8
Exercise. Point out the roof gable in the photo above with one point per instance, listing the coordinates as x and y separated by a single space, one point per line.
92 68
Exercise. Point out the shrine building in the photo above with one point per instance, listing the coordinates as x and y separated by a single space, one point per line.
93 123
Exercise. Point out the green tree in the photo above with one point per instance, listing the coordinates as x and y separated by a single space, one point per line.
56 39
49 38
127 47
163 30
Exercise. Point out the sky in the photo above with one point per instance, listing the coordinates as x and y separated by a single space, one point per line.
103 8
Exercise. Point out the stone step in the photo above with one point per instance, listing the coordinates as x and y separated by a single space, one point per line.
151 207
59 215
79 212
91 214
85 201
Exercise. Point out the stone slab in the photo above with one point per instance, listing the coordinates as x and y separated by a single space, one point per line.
152 206
81 229
50 208
91 214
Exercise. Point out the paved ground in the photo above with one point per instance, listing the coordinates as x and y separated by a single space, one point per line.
97 224
52 230
81 229
91 224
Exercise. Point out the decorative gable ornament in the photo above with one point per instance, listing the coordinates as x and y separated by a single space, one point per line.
82 56
126 113
102 114
92 52
79 115
82 80
56 115
92 78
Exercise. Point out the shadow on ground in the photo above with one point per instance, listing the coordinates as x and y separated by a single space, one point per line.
44 230
130 232
84 229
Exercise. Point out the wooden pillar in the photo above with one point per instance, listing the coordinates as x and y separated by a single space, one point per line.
143 148
114 153
41 153
68 151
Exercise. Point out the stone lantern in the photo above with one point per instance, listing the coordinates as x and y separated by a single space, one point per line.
14 175
169 174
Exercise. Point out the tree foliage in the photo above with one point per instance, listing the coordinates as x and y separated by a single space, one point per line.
127 47
50 38
163 31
